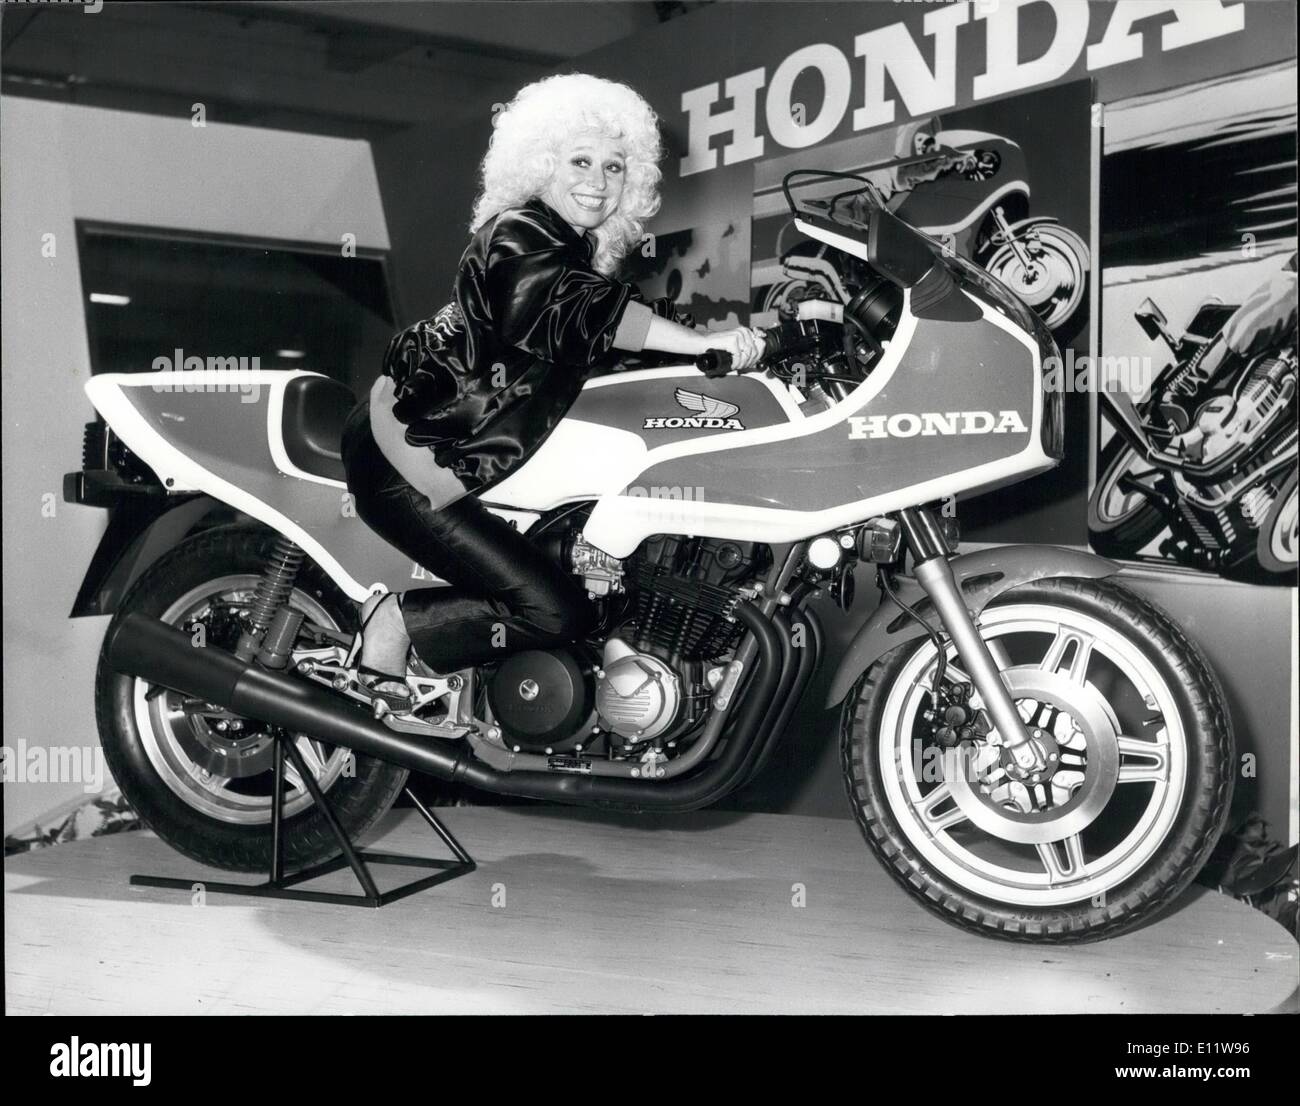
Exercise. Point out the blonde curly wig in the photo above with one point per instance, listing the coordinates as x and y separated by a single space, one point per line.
530 132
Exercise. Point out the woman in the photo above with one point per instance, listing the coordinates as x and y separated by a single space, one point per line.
469 395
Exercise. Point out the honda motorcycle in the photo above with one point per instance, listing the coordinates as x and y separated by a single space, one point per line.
1032 751
970 190
1209 456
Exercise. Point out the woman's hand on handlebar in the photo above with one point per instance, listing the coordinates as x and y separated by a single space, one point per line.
744 345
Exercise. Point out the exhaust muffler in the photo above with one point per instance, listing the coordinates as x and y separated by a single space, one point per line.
161 654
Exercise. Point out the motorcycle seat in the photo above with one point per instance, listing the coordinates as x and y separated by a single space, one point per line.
315 409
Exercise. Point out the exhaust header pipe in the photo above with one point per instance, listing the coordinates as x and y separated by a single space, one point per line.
150 649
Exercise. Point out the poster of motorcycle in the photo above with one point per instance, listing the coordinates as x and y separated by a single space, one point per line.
1196 446
969 181
1005 186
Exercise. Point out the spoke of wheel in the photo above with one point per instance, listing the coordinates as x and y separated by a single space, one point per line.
212 782
1077 671
957 674
292 778
1062 869
322 756
311 756
1154 765
937 823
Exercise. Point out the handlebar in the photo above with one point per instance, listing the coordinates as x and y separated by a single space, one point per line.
778 341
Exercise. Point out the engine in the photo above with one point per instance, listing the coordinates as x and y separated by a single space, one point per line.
1230 423
663 658
660 665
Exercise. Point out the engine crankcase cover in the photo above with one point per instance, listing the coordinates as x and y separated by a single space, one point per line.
541 697
638 695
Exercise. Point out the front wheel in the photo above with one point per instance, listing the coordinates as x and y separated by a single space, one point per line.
1139 749
1049 271
1121 520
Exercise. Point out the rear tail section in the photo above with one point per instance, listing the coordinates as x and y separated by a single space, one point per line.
263 441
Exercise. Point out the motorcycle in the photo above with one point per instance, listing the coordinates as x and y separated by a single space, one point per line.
970 190
1032 751
1208 455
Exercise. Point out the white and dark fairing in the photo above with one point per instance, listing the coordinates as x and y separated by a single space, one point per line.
660 451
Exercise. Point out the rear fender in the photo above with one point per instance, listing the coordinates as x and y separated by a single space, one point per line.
138 533
982 576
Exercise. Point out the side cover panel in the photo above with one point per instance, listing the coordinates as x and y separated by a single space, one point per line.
218 432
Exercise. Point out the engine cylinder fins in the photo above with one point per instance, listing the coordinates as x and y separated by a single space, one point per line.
542 699
1255 504
638 696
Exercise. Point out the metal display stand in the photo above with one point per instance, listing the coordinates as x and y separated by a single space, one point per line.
280 886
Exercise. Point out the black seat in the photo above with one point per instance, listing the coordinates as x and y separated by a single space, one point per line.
315 409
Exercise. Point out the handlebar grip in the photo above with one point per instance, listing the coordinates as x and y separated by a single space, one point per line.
717 362
772 342
714 362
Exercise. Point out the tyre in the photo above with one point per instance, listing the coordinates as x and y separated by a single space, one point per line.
1140 751
203 780
1121 522
1055 281
1276 546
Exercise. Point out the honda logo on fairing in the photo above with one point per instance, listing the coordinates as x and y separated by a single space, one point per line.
713 414
908 425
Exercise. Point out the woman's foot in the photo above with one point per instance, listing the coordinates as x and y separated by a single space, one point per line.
385 645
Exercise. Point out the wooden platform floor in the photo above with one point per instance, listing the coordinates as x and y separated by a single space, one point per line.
596 913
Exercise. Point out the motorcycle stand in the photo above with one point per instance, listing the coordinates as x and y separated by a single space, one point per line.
281 886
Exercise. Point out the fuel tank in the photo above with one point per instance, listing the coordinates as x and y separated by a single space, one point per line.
954 406
619 421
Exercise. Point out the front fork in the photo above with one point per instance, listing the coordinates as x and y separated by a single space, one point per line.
935 576
1008 235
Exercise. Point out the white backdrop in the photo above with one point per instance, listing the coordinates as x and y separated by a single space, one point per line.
60 163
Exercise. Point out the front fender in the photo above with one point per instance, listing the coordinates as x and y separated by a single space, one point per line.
982 577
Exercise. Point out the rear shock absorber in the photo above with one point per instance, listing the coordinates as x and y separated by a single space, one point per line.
270 601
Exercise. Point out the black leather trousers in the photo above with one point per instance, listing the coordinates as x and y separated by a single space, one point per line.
505 594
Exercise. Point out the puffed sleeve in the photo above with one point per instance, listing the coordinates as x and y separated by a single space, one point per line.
414 362
667 309
545 300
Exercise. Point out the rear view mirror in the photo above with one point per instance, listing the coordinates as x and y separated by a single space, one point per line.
1153 322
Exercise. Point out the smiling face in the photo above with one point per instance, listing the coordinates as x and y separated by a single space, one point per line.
588 180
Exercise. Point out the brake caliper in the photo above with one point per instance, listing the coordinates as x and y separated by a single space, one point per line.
952 718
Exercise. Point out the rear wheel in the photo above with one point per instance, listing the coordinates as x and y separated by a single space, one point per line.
1139 750
202 778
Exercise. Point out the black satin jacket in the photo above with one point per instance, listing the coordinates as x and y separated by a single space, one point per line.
485 380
